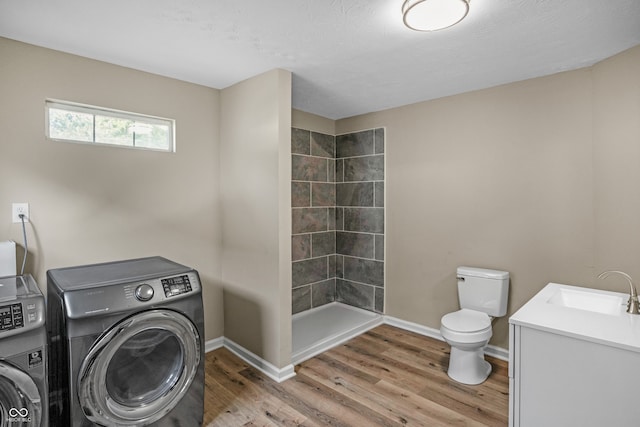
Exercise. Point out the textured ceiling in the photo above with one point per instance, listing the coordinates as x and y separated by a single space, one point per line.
348 57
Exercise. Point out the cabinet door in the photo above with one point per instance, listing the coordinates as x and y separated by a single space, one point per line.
570 382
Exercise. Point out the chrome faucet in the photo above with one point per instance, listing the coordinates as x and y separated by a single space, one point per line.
633 306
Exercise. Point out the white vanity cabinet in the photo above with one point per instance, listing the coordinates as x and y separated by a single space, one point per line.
569 366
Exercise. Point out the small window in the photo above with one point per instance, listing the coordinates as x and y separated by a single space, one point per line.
67 121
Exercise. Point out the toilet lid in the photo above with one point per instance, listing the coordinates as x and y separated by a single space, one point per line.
466 320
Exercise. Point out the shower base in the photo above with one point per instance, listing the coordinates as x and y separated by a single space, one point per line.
319 329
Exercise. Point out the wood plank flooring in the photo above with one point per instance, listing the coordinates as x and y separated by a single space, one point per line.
384 377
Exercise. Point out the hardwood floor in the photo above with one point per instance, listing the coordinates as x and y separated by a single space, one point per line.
384 377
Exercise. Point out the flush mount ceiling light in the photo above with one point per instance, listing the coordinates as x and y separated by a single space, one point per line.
432 15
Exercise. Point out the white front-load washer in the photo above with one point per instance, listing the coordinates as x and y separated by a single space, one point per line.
126 344
23 353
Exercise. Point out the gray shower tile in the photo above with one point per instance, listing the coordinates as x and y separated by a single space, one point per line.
323 145
330 219
379 194
379 140
309 271
364 271
339 264
379 242
323 244
308 220
300 141
332 265
323 293
323 194
379 300
339 225
367 168
355 294
355 244
355 144
354 194
300 194
305 168
300 246
368 220
339 177
300 299
331 171
331 215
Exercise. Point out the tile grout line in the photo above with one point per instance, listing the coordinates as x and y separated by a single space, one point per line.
337 254
359 156
369 233
337 278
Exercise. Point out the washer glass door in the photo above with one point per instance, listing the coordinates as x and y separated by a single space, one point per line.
20 403
139 369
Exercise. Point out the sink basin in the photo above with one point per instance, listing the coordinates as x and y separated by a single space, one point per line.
588 301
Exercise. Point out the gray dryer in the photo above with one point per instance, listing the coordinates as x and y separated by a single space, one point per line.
126 344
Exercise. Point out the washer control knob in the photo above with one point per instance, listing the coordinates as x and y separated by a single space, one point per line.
144 292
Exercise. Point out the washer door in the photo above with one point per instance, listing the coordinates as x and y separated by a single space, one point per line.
138 370
20 403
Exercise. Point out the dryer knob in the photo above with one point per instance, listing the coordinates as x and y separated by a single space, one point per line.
144 292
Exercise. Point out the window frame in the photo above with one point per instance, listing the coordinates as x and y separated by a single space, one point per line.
93 110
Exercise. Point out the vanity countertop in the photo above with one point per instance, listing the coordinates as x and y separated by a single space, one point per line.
613 327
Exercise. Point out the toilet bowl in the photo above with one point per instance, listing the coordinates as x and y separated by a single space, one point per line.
468 333
482 295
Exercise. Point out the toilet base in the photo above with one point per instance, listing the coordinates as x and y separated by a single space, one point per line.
468 366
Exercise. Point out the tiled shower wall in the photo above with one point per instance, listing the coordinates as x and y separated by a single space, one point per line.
337 194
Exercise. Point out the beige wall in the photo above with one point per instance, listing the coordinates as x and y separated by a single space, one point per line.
539 178
95 203
312 122
617 165
256 214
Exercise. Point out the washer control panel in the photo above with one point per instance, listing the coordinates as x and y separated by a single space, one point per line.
22 306
11 317
177 285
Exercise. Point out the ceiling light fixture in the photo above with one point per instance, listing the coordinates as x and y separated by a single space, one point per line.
432 15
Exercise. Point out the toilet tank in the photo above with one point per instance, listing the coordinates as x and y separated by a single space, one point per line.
483 290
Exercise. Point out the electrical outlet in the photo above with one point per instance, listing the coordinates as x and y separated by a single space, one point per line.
18 209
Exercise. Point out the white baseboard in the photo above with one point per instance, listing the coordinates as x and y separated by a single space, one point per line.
213 344
490 350
276 374
282 374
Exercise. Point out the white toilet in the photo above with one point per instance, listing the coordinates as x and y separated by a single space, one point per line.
483 295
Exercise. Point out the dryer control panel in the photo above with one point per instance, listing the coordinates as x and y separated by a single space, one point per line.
116 297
